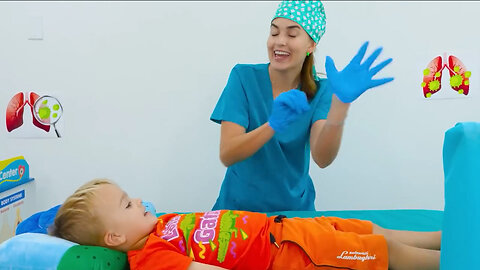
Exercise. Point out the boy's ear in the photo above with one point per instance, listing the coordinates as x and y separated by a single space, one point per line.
113 239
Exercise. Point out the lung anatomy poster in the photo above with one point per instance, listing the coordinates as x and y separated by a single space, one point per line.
447 76
34 115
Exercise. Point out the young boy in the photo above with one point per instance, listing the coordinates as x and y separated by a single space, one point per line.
101 213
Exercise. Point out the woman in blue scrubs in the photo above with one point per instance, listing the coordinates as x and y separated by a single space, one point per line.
273 115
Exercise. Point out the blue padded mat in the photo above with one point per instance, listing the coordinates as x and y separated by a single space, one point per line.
408 219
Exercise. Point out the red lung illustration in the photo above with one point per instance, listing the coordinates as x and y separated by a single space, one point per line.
432 77
33 98
15 112
459 76
14 116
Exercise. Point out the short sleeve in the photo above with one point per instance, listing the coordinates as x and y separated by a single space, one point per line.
232 105
322 101
158 255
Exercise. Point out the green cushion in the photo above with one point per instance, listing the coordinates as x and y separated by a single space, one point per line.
82 257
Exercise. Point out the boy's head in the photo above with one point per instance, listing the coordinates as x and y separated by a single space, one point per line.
100 213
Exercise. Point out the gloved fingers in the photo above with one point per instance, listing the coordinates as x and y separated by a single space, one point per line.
379 67
375 83
304 107
301 102
360 54
296 94
296 100
288 97
372 58
330 66
301 106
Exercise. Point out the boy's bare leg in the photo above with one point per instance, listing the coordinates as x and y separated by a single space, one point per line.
405 257
428 240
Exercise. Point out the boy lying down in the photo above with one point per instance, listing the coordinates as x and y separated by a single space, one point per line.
101 213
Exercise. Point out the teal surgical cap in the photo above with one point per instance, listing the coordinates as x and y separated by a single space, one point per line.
309 14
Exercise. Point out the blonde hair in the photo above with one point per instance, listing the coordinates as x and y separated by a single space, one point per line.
77 220
307 81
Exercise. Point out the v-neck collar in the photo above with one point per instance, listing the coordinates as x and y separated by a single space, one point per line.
269 83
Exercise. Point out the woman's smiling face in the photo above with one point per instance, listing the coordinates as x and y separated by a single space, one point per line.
288 45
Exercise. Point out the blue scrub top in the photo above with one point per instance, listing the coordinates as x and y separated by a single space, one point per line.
276 177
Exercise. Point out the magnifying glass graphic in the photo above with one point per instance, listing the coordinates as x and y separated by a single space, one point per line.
48 110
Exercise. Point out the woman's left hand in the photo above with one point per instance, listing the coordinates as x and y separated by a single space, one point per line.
355 78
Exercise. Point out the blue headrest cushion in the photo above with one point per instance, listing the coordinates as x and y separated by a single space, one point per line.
33 251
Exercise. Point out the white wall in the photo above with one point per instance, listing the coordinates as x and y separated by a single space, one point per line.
138 82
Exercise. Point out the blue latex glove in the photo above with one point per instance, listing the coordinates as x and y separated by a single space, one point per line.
287 107
355 78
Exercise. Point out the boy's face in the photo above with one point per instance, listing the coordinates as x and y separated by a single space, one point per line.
122 216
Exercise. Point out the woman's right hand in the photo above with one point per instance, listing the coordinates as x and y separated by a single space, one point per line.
287 107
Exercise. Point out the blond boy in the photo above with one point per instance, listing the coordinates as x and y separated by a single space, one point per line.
101 213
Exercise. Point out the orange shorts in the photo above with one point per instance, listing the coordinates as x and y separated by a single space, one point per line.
327 243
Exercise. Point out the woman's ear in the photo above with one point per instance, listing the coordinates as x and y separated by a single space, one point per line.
112 239
312 47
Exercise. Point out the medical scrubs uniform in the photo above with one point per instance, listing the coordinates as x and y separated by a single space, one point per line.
276 177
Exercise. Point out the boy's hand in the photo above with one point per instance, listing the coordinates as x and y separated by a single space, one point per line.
355 78
287 107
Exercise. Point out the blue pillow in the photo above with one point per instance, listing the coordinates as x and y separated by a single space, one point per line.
39 251
33 251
